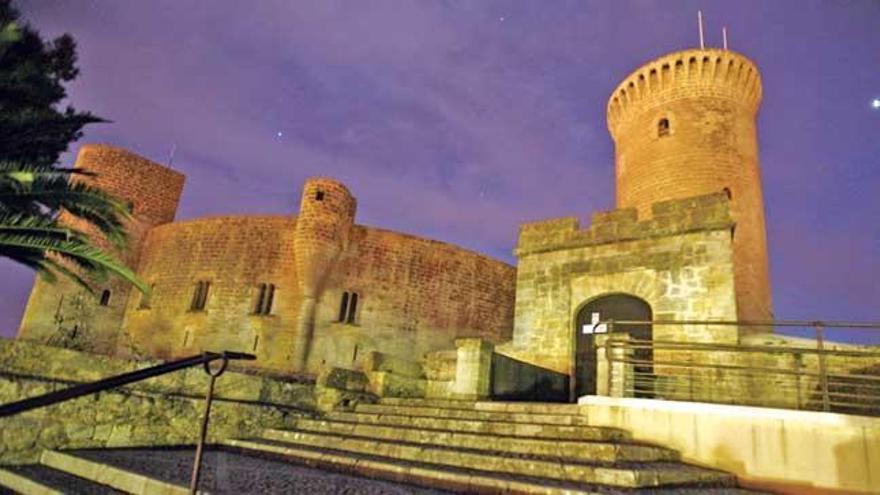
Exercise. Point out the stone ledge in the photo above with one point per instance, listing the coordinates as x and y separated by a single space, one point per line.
674 217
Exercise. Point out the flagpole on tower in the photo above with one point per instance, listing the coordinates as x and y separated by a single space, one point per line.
724 36
700 23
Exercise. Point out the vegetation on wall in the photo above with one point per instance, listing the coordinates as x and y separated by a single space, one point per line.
34 189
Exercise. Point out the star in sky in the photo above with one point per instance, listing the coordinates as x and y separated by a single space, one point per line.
875 103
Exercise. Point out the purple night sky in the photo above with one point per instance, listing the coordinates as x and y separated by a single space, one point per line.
459 120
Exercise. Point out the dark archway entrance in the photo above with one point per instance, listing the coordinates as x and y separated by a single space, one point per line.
621 307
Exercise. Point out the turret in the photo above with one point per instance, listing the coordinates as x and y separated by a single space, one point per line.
684 125
326 216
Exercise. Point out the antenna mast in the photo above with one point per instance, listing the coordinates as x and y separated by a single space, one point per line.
724 36
700 23
171 155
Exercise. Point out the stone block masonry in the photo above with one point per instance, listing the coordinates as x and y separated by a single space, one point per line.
64 314
302 292
679 262
165 410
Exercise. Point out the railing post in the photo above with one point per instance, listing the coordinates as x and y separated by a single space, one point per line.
609 374
823 369
798 369
209 397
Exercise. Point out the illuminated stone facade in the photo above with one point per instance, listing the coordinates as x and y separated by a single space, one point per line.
273 285
316 290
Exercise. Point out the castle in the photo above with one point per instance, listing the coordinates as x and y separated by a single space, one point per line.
316 290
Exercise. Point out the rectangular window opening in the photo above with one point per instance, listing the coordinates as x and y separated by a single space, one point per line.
200 296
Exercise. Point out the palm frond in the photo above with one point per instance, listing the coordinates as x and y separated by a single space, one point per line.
91 258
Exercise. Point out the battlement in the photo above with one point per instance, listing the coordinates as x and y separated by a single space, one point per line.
686 74
677 216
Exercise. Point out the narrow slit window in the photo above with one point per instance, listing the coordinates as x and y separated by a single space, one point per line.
200 296
352 308
261 296
256 341
105 297
270 298
343 307
265 298
663 128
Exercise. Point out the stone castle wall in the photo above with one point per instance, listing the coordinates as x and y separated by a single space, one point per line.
415 296
235 255
679 262
710 99
62 312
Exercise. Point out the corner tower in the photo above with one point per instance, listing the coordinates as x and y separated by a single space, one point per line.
326 216
684 125
62 313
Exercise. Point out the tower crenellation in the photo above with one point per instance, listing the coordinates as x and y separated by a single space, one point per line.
711 72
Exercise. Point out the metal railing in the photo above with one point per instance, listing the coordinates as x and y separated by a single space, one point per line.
204 359
830 377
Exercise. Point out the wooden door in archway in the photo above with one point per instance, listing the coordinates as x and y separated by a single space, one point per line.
618 307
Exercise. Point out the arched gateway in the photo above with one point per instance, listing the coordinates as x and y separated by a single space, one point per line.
618 307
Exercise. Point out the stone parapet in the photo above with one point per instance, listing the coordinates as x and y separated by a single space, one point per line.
711 73
672 217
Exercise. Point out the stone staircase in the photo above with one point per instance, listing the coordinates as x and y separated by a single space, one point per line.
459 446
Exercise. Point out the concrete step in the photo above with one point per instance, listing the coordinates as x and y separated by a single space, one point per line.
514 407
531 430
627 475
107 474
36 479
224 471
564 449
449 413
458 480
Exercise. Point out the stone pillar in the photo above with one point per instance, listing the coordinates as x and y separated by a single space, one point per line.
620 372
473 369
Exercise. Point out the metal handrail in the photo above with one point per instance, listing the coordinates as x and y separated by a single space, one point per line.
205 359
116 381
851 391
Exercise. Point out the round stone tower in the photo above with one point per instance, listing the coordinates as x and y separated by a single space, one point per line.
326 215
684 125
62 313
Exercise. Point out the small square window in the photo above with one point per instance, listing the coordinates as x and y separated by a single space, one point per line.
319 196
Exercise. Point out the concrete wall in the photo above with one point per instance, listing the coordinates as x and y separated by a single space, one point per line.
679 262
710 99
781 450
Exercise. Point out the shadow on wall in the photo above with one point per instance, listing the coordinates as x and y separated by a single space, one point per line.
515 380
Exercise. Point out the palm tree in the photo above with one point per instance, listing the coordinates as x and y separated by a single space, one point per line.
46 214
33 231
